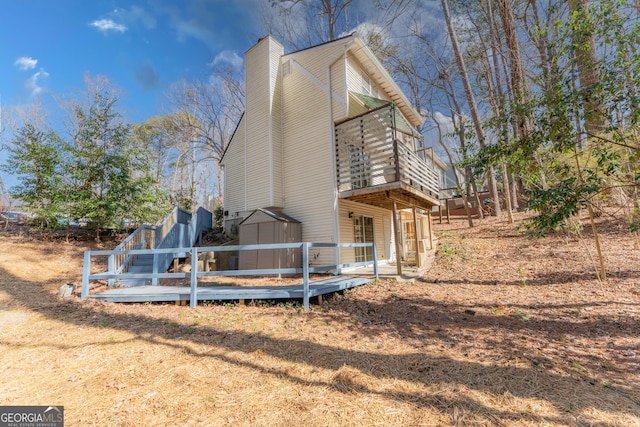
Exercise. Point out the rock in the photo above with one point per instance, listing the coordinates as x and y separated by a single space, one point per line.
67 290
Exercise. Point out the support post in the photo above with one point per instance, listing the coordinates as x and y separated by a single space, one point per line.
111 262
305 275
375 260
398 232
86 271
430 231
154 279
448 217
417 241
193 294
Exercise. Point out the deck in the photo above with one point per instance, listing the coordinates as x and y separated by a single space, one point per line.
201 292
376 162
227 293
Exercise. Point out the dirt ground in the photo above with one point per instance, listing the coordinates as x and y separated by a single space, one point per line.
504 329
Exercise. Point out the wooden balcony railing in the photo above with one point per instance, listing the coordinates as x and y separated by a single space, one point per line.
371 151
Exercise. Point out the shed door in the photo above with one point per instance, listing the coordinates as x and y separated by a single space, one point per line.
266 235
249 236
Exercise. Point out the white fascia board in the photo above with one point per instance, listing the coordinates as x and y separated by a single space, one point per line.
362 46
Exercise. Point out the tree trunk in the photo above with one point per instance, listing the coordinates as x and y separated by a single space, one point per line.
473 108
588 69
514 193
519 93
455 174
499 109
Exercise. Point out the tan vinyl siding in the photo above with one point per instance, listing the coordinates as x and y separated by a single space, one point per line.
354 74
339 87
277 177
261 78
308 153
234 183
316 62
379 224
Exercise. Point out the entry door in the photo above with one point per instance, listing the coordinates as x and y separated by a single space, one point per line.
363 233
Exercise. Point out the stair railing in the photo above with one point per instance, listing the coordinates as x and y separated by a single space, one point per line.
142 238
177 216
201 221
173 233
180 229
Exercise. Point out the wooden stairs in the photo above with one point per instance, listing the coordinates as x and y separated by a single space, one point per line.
141 264
181 229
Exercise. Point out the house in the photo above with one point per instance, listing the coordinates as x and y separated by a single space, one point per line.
328 138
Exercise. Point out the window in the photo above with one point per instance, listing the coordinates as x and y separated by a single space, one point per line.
363 233
368 87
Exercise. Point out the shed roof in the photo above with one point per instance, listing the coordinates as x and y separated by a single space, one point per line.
279 216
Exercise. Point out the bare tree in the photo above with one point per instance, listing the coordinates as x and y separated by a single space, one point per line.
296 22
430 77
498 103
473 108
208 112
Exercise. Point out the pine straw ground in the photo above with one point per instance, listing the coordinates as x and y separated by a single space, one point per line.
503 330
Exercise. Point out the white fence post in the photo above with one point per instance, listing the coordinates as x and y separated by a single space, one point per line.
193 296
375 260
305 275
86 271
154 280
111 262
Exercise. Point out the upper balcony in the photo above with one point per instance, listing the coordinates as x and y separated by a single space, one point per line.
377 163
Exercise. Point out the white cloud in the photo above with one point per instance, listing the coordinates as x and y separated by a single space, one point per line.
193 29
133 15
107 25
33 85
229 57
25 63
445 121
365 28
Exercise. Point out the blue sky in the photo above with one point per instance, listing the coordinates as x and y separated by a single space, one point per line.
143 47
47 46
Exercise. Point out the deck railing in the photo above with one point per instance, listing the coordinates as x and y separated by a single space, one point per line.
88 276
371 151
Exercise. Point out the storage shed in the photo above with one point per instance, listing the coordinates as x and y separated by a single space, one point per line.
265 226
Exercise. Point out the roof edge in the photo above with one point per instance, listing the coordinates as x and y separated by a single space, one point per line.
231 138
